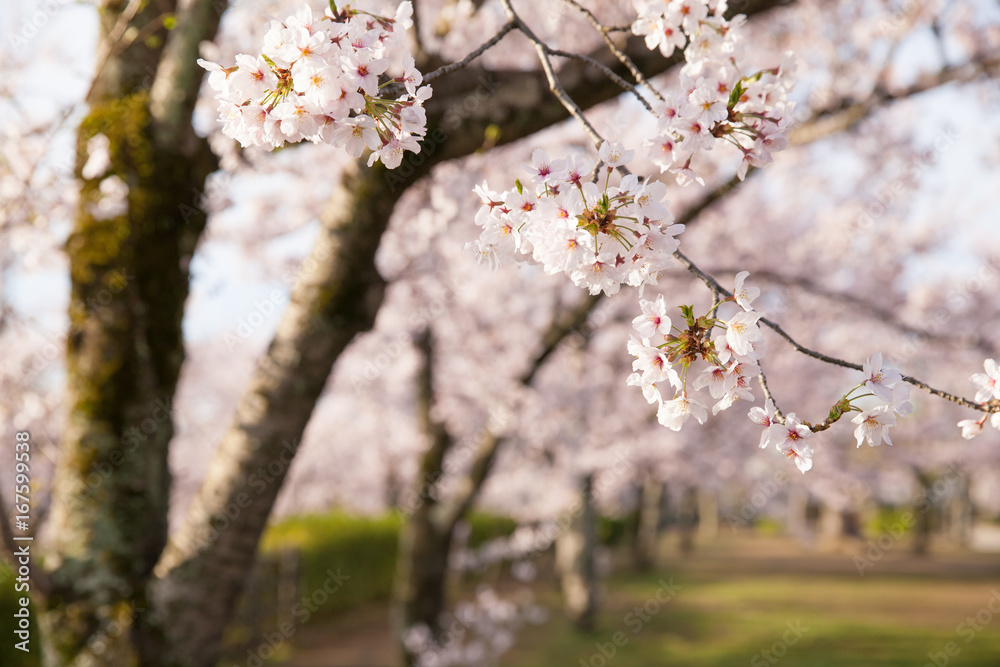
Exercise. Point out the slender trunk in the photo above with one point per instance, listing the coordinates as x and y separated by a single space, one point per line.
960 513
575 561
647 536
831 526
708 515
687 518
796 509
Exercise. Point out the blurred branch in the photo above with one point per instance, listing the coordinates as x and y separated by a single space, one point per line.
486 46
713 284
847 113
875 311
469 487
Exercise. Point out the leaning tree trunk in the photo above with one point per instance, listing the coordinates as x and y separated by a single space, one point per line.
575 560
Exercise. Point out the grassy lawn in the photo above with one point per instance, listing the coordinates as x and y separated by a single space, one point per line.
737 599
728 612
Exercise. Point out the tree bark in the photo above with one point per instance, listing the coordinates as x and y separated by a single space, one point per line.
129 281
922 527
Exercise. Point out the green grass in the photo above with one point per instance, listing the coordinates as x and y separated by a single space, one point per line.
729 620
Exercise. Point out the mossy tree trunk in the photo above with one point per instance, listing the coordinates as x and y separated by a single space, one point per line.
129 281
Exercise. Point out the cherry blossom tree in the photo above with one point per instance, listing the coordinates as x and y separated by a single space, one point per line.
141 195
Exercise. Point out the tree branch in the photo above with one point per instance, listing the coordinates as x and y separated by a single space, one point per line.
713 284
470 486
557 89
178 76
618 53
846 113
486 46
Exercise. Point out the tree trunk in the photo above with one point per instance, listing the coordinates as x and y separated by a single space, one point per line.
575 561
960 513
337 296
796 509
708 515
129 281
647 536
922 527
831 526
687 518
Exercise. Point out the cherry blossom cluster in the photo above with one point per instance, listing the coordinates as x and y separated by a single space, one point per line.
891 398
600 235
987 394
719 101
320 78
731 356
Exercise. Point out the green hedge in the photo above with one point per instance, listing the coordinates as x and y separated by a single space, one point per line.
10 656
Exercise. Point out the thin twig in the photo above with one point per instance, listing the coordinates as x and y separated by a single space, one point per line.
714 284
622 57
572 107
778 414
604 69
490 43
